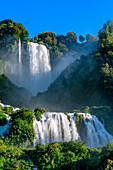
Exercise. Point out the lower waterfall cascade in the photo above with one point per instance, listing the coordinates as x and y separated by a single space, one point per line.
56 127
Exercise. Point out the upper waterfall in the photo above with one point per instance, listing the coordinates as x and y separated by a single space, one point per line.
40 68
20 62
29 67
19 47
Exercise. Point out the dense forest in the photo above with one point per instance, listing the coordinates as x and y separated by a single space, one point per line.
86 86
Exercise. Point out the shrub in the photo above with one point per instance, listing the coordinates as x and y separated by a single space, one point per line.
38 111
3 119
38 115
22 132
8 110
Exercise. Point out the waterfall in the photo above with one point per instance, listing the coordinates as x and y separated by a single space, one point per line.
19 49
29 67
20 63
5 128
40 69
56 127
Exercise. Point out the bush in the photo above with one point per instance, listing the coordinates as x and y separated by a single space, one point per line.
41 110
22 132
12 157
38 115
38 111
86 109
59 155
3 119
9 27
8 110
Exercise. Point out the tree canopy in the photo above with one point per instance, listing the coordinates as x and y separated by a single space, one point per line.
8 26
104 56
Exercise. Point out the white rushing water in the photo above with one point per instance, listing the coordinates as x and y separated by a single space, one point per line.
29 67
56 127
4 130
20 63
19 49
40 68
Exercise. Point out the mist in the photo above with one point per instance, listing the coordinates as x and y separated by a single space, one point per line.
28 64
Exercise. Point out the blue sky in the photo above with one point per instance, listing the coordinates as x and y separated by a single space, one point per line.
61 16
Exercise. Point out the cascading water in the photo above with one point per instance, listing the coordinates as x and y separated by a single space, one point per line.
13 66
56 127
29 67
4 130
40 69
20 63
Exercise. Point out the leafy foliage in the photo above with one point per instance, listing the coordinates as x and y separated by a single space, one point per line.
104 56
8 26
38 111
12 157
81 38
3 119
8 110
69 155
58 45
90 37
22 132
57 155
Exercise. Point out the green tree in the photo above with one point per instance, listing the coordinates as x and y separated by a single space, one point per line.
81 38
9 27
106 37
90 37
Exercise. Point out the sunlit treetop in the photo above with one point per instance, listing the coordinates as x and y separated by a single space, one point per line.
9 27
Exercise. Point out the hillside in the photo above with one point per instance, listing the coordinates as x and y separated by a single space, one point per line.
86 82
76 86
11 94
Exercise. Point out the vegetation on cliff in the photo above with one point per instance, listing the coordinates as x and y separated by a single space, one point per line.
61 45
39 111
104 56
9 27
3 119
